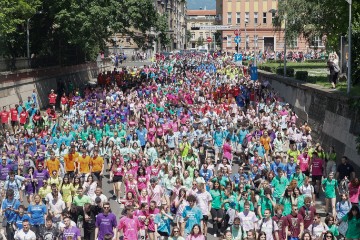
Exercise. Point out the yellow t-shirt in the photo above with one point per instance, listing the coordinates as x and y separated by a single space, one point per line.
52 165
97 164
84 164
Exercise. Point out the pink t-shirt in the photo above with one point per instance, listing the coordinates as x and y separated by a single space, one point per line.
130 227
354 193
317 167
303 162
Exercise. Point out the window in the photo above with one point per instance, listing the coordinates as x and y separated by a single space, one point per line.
264 17
202 35
255 17
318 42
238 19
192 24
228 41
192 36
293 42
247 17
229 17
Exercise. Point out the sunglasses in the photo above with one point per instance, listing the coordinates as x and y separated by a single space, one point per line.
176 231
106 207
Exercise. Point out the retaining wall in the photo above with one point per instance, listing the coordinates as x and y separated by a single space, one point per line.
327 111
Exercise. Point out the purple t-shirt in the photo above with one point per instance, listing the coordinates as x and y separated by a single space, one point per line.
72 232
41 176
4 171
106 224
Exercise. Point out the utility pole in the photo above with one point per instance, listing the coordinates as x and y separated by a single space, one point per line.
349 57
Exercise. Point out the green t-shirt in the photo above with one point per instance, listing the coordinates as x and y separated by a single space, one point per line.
279 185
240 205
98 133
299 178
216 198
300 201
286 202
80 202
329 187
191 170
223 181
334 229
265 203
353 227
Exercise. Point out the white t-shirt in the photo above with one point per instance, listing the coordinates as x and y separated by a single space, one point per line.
248 221
317 229
49 197
21 235
57 207
203 199
268 228
307 190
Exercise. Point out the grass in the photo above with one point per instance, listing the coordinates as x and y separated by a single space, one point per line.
341 86
296 65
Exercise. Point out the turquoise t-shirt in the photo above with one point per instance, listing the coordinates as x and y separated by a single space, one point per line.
216 198
194 217
329 187
279 185
163 223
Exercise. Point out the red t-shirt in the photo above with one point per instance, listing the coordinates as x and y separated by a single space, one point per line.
23 117
14 114
293 224
64 100
281 225
5 116
52 98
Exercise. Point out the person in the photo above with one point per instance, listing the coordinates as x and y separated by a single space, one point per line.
81 199
334 70
69 231
306 236
105 223
217 212
49 231
20 217
280 221
37 211
354 191
333 228
343 206
330 157
129 225
175 234
25 233
308 212
204 200
345 169
329 185
353 220
268 226
162 221
192 215
294 224
9 208
97 166
195 233
317 229
317 165
248 218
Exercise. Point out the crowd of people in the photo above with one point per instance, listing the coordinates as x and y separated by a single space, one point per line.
191 149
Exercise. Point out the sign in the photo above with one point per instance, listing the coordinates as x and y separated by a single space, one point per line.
214 27
236 32
238 57
209 39
253 73
237 39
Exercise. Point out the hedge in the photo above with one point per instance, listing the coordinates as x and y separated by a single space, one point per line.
290 72
301 75
315 60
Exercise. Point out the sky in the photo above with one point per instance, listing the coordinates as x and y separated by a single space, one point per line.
196 4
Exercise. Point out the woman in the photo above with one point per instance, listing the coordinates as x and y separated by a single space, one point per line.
354 191
142 179
330 222
306 236
262 236
195 233
216 211
227 150
317 228
176 234
37 212
331 160
179 204
353 220
116 176
298 198
67 189
162 221
287 201
343 206
54 179
29 185
90 186
329 185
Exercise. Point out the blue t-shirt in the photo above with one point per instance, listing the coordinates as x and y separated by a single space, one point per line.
142 136
19 220
37 212
163 223
194 217
218 138
10 215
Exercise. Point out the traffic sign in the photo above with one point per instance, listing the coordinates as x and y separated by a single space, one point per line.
236 32
238 57
209 39
237 39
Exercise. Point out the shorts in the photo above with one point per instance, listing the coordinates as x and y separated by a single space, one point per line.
205 218
217 149
14 123
117 179
163 234
316 178
179 219
168 192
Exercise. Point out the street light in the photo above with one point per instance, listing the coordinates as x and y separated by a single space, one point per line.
255 40
349 57
246 39
28 37
273 11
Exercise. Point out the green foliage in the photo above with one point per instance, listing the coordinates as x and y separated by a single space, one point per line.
316 61
188 36
162 26
267 68
289 71
200 41
301 75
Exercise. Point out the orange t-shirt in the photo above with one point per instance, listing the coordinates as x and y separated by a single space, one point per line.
265 141
52 165
70 160
97 164
84 164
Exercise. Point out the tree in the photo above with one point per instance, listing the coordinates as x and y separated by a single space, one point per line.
324 18
200 41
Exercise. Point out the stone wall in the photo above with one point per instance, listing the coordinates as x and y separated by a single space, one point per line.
327 111
19 85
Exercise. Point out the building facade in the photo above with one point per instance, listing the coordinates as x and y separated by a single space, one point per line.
197 18
253 20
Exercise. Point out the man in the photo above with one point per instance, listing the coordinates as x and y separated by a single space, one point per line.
5 169
52 164
52 98
307 212
218 137
153 211
345 169
206 173
248 218
25 233
9 207
298 176
294 224
279 184
280 219
277 164
97 166
129 225
81 199
237 231
14 116
69 231
40 174
14 183
4 118
100 195
269 226
204 200
48 231
70 160
106 223
192 214
83 166
89 213
56 207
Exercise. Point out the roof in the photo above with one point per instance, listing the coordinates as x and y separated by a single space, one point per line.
201 12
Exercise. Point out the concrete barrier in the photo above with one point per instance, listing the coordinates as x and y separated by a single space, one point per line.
328 113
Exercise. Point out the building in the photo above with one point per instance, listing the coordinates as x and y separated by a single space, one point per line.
197 18
253 19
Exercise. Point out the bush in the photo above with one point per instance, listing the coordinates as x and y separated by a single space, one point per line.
315 60
301 75
289 71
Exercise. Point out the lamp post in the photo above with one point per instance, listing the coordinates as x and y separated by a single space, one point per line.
255 40
246 22
273 11
28 37
349 57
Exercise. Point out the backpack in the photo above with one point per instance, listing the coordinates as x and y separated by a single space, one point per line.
272 224
245 143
